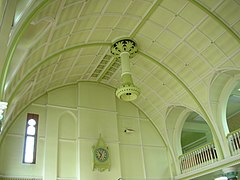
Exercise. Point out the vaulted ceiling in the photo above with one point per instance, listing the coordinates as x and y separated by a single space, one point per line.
182 46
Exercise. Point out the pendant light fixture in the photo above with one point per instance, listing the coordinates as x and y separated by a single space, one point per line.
124 50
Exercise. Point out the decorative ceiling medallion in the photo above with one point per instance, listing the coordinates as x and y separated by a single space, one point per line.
125 45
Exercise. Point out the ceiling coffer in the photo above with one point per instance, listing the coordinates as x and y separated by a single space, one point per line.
124 50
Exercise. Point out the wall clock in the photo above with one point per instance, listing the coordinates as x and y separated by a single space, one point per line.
101 156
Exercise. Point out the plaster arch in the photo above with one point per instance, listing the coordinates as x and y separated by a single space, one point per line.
67 123
175 119
222 85
175 123
177 133
223 99
70 113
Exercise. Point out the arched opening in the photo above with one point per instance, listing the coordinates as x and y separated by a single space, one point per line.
197 144
232 117
195 133
233 109
225 105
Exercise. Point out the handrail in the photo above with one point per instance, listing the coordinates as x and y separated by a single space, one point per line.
197 158
234 142
206 154
233 132
200 147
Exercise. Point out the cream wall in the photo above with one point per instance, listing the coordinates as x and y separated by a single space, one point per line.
70 122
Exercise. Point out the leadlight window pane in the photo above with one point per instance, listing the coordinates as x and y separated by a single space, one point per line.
31 122
29 149
30 130
30 144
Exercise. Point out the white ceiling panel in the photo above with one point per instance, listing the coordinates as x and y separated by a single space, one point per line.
185 52
174 6
168 39
151 30
63 31
116 6
229 11
192 14
235 59
198 40
157 51
162 16
213 55
227 44
180 27
211 5
70 12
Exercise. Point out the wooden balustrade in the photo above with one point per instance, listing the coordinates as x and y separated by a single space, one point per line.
197 158
18 178
4 178
234 142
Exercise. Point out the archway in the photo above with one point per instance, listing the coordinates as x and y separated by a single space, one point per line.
195 133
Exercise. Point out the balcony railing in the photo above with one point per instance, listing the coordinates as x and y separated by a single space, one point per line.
18 178
197 158
234 142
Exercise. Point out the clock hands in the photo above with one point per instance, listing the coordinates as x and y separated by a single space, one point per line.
101 154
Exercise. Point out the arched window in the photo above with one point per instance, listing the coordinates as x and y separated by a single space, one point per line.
30 143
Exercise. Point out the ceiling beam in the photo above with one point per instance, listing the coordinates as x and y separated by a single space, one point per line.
145 18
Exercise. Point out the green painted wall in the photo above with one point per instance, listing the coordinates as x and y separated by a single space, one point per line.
70 122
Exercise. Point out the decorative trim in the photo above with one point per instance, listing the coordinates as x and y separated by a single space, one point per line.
124 45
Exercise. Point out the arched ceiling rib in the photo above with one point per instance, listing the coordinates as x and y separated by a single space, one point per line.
14 43
220 19
50 58
145 18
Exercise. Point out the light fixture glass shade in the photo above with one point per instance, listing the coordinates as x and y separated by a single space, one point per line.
128 93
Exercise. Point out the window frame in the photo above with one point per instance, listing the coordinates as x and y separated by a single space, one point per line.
36 118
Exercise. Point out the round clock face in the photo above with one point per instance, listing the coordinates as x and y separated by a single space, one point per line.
101 154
